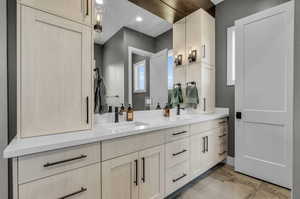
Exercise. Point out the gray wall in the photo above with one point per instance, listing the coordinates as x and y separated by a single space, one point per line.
164 41
226 13
297 104
3 101
137 40
98 55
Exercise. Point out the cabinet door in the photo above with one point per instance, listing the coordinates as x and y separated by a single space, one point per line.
207 101
55 74
76 10
198 155
205 38
152 173
81 183
213 147
120 178
179 39
194 33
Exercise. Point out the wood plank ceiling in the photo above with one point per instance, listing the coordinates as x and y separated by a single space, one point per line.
174 10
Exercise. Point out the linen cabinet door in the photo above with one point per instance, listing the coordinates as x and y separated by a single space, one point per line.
152 173
76 10
207 100
83 183
205 37
120 177
198 155
55 83
179 40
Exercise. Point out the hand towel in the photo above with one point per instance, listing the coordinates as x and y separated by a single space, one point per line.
192 97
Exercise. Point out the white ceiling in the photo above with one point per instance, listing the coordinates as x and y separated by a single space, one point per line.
122 13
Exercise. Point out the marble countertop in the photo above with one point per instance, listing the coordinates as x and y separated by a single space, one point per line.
102 130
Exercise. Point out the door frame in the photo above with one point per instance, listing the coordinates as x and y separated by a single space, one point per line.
3 99
132 50
290 100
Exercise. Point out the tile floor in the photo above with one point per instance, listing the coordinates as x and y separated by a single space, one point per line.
224 183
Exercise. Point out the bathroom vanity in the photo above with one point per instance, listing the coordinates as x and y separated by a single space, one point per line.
149 158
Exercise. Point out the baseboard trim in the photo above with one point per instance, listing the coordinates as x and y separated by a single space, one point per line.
230 161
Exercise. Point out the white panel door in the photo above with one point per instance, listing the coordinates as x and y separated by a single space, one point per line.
159 77
152 173
264 95
55 74
120 178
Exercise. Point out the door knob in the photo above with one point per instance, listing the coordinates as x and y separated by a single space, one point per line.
238 115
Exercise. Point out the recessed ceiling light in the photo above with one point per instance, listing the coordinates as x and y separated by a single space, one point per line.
139 19
99 2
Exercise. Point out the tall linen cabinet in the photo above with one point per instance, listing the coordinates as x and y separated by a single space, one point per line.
55 45
196 32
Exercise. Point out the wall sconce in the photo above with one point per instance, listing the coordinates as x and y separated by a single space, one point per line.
98 26
178 60
192 56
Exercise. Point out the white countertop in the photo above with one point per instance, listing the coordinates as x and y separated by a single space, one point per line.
100 132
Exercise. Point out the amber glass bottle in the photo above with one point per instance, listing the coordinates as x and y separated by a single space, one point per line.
129 113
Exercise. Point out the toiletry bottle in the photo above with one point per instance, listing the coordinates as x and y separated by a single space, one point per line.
122 110
167 110
129 114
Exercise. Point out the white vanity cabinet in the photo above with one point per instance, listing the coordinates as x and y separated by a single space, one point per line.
135 176
207 145
71 172
77 10
54 72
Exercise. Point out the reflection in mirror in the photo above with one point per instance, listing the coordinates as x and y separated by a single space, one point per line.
133 55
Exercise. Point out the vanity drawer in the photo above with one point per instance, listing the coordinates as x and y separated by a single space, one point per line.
122 146
177 133
176 177
81 183
177 152
206 126
41 165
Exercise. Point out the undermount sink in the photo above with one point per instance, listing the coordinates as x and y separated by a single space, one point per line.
125 125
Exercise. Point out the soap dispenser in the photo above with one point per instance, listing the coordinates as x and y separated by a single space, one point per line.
129 113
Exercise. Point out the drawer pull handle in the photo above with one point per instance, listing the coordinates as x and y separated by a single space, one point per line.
75 193
176 154
223 153
179 133
206 144
223 122
175 180
144 177
222 135
136 173
64 161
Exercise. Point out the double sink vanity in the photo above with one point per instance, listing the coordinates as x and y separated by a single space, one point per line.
151 157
